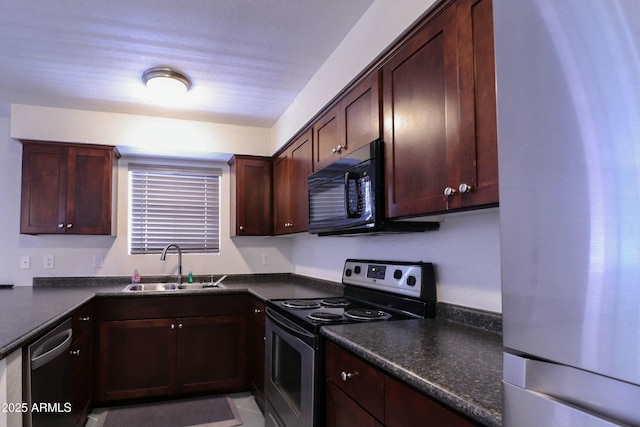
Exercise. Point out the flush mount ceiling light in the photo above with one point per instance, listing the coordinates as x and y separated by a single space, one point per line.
166 81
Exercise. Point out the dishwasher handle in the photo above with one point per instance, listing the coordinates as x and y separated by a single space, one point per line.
51 349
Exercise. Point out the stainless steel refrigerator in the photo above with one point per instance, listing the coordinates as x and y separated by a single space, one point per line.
568 83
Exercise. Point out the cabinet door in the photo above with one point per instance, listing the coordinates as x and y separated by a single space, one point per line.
44 188
327 138
256 348
211 354
405 406
421 121
137 358
282 197
344 412
360 114
478 132
291 198
89 191
82 354
301 166
81 351
251 195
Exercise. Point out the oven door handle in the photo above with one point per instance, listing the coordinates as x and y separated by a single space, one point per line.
289 326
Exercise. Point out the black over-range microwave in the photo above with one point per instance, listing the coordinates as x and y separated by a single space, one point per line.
347 197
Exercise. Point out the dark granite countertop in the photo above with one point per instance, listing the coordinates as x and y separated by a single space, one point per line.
456 364
26 312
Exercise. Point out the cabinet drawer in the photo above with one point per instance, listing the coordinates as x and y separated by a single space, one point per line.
82 320
172 306
358 379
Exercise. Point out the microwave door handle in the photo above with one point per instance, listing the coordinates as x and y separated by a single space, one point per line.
348 177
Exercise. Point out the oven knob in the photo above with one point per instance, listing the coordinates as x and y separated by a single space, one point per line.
411 280
397 274
356 269
347 272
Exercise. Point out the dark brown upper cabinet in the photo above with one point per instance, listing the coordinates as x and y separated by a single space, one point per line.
251 207
290 171
351 123
67 188
439 114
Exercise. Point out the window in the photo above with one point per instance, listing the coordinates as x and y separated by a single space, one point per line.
173 205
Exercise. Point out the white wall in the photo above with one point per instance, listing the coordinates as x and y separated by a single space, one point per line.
74 254
466 250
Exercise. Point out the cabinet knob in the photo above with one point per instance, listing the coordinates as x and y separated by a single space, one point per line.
241 227
69 225
60 225
449 191
257 310
75 352
465 188
84 319
173 326
344 376
338 149
179 325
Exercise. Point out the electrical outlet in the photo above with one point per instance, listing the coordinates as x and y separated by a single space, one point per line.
97 261
265 259
25 262
49 262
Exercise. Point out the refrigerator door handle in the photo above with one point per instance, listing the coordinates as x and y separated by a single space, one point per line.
609 397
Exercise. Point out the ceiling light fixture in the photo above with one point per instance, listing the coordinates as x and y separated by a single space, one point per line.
166 81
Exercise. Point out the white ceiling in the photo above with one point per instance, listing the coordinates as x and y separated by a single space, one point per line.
247 59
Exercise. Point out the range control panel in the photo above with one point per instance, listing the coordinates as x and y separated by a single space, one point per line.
391 276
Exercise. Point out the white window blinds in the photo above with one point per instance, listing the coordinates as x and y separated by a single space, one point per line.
173 205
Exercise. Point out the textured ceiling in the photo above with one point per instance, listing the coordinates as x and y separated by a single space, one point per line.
247 59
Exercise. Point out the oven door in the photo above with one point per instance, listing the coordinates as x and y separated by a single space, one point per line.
291 374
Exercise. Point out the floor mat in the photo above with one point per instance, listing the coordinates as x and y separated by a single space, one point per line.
219 411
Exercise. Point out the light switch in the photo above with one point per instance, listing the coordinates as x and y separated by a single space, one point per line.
49 262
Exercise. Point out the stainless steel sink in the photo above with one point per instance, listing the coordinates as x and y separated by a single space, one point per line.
168 287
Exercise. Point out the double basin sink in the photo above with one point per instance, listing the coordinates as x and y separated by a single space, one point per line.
171 287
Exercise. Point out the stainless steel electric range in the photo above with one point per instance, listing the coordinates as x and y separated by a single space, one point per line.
373 291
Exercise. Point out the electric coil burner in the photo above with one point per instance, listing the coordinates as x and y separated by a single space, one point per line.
374 291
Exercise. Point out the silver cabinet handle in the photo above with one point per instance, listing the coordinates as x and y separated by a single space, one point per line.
257 310
344 376
69 225
241 227
179 325
84 319
60 225
465 188
75 352
448 191
173 326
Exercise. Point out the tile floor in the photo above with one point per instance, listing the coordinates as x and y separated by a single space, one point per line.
245 402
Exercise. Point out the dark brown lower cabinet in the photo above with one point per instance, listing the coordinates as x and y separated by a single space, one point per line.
255 348
210 353
182 345
405 406
342 411
82 372
137 359
359 394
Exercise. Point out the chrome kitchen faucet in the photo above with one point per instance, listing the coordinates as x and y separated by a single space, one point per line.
164 255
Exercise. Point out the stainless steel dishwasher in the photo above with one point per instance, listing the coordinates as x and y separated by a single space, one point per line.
48 378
